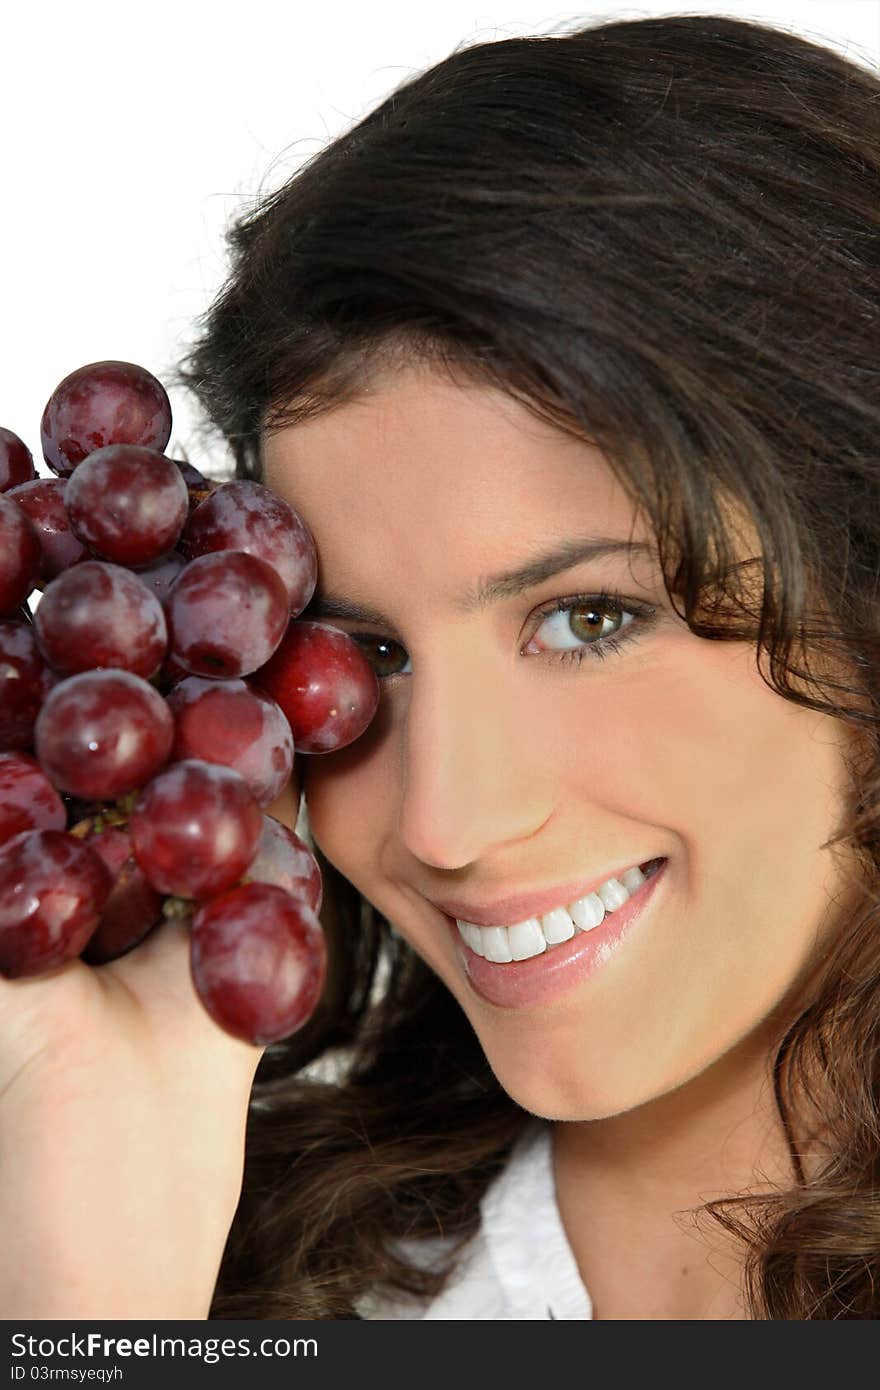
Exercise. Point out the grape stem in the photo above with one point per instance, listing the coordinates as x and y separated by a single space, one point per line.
178 909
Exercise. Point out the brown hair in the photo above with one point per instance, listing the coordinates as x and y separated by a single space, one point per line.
663 235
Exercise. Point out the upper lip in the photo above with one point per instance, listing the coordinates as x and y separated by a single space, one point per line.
506 912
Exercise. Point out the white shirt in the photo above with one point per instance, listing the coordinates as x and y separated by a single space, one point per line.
519 1266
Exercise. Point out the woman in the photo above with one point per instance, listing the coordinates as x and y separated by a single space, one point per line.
567 356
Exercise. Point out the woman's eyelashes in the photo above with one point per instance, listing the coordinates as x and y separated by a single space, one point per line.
596 625
580 624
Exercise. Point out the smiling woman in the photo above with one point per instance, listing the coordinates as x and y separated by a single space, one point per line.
566 355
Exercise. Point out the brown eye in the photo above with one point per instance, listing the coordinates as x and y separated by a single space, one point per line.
588 619
383 654
573 628
581 620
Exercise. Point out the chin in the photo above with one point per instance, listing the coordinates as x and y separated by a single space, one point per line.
550 1084
563 1092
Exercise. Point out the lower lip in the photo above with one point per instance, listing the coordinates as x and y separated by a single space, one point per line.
525 984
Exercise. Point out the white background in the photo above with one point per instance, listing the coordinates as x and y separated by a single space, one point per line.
131 135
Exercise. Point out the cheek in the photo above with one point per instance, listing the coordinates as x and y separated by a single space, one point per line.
692 742
685 751
613 752
630 745
349 797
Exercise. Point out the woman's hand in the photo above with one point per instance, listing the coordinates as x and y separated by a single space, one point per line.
122 1120
123 1109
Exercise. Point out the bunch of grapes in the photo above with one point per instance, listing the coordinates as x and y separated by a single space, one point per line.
151 704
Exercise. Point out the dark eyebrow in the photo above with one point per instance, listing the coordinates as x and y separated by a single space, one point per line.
494 587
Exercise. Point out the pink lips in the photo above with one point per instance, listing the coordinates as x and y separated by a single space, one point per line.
542 979
504 912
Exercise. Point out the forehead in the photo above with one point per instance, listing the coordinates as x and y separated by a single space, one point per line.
419 446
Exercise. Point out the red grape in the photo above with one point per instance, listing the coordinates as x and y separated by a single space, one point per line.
52 889
103 403
228 722
170 675
258 961
245 515
43 502
25 681
102 734
20 556
133 908
159 581
283 858
324 683
16 461
226 614
28 801
194 829
198 487
191 476
127 504
161 574
100 615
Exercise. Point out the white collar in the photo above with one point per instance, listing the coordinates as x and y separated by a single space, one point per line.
527 1244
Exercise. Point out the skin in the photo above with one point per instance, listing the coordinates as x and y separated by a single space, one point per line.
488 771
123 1112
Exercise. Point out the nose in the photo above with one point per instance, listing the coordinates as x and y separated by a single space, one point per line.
472 778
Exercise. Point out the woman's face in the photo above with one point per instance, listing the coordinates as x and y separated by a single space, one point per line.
499 766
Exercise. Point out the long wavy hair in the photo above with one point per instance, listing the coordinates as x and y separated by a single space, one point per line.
662 235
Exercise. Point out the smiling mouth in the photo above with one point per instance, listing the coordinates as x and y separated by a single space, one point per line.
536 935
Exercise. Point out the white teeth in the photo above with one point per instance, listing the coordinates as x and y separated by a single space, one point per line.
613 894
633 879
526 939
496 944
588 912
532 937
472 936
557 926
